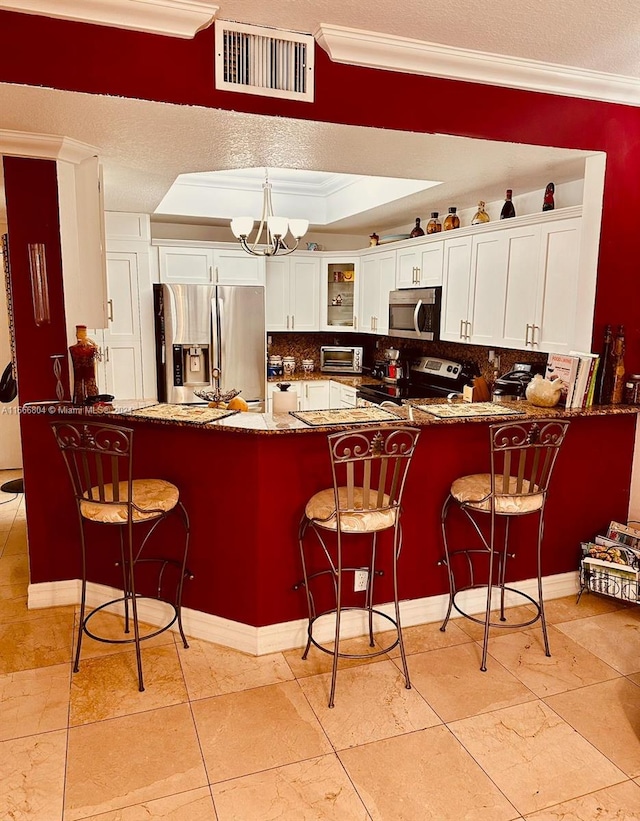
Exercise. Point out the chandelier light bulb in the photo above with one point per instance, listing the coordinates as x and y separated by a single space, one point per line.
278 226
241 226
298 227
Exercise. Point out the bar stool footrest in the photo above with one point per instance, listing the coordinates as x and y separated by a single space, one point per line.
503 625
331 652
122 599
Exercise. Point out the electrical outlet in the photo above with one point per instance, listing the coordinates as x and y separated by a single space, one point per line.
360 580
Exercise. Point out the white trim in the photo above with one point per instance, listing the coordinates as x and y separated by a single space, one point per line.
259 641
44 146
174 18
385 51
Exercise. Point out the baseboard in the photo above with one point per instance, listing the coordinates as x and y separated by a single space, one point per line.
288 635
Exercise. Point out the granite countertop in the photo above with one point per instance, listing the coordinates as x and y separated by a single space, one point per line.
267 423
353 380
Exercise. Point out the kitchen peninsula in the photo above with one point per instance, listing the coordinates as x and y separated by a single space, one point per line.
246 478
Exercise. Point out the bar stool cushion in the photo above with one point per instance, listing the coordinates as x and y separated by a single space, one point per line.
152 496
322 506
475 491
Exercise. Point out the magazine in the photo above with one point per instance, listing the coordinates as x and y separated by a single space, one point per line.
564 367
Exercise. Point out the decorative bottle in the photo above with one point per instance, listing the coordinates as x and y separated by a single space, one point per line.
481 215
604 377
84 354
452 220
549 203
418 231
434 225
617 390
507 209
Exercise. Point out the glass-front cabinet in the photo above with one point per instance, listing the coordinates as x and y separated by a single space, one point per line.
340 293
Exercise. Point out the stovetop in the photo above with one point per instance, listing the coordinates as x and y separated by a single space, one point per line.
429 377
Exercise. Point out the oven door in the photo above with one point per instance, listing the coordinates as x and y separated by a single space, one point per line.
415 313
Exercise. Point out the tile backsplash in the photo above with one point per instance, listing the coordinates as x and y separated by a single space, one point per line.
307 346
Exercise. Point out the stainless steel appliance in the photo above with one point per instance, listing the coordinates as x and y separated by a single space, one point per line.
429 377
340 359
414 313
513 385
204 331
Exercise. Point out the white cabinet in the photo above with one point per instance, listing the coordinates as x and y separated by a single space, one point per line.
293 294
316 395
339 293
346 397
377 278
542 289
334 394
190 263
420 267
454 320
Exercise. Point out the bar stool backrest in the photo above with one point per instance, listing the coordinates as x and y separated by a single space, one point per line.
97 455
371 464
523 455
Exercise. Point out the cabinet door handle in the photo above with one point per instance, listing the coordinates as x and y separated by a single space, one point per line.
461 331
467 326
534 328
288 322
526 336
106 354
110 310
355 322
293 322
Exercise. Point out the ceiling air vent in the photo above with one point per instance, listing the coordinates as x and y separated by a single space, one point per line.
270 62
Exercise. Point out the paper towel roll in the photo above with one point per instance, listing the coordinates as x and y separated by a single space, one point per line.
285 401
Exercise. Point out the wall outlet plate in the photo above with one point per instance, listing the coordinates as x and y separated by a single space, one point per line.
360 580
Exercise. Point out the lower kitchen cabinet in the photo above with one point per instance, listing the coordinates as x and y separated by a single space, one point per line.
317 394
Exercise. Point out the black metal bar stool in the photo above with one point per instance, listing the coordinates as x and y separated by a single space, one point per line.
523 455
369 468
99 459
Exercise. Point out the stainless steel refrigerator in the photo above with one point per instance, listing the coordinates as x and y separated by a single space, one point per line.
204 331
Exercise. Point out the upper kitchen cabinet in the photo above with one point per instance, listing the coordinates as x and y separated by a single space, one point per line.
420 267
543 288
196 263
293 293
339 292
377 279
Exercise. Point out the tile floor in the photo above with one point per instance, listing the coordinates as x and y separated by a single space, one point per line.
220 736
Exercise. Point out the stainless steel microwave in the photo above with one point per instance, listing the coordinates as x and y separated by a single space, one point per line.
414 313
336 359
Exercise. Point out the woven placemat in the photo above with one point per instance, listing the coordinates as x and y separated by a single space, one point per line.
473 409
345 416
194 414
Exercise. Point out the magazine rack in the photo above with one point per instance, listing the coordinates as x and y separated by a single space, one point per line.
610 565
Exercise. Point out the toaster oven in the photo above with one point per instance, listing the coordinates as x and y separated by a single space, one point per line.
340 359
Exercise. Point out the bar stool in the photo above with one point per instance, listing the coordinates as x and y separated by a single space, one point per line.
369 468
523 455
99 460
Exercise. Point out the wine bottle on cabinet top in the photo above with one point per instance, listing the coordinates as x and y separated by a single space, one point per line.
452 220
604 377
549 202
481 215
434 226
508 209
418 230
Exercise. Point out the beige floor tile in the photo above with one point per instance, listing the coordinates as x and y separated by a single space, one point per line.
618 803
34 701
568 609
452 683
371 703
111 626
513 615
608 716
14 570
32 777
194 805
424 775
12 608
314 790
534 756
131 760
242 733
39 642
614 637
107 687
425 637
318 662
568 667
211 670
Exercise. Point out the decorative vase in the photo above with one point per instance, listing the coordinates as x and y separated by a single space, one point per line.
83 358
544 393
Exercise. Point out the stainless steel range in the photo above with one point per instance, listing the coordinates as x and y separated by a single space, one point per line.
429 377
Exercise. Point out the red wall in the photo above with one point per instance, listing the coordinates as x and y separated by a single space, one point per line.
95 59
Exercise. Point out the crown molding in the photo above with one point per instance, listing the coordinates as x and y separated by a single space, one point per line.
388 52
44 146
172 18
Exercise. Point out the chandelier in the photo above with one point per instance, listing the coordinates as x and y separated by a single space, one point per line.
275 228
